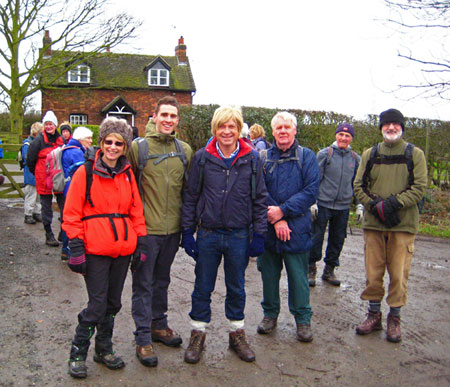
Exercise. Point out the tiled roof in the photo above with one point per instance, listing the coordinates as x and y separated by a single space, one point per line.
112 71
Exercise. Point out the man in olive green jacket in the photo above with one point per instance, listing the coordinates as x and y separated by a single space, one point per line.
161 191
390 181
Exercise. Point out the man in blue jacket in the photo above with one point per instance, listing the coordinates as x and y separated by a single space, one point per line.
225 199
292 179
338 164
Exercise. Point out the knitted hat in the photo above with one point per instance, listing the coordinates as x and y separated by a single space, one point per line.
65 127
115 125
392 115
50 117
347 128
82 132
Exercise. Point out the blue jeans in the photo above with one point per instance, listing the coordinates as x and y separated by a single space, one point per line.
337 232
212 245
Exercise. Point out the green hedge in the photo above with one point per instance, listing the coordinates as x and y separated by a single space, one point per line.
317 130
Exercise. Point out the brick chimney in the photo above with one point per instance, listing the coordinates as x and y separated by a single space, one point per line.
180 52
47 41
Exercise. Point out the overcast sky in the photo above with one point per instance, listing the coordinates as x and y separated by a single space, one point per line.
323 55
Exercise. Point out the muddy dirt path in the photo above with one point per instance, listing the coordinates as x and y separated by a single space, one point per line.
41 298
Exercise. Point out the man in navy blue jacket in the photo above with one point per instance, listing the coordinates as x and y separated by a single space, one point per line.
292 179
225 199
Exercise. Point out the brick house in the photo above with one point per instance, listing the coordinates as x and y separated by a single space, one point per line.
122 85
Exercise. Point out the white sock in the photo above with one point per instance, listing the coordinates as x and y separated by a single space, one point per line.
236 324
198 325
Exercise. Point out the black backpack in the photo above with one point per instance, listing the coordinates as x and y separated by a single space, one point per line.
405 158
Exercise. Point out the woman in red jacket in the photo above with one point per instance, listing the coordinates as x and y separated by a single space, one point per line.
105 225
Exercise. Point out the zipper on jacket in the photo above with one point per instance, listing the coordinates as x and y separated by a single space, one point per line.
167 189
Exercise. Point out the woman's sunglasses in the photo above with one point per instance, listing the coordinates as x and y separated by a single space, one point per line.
116 143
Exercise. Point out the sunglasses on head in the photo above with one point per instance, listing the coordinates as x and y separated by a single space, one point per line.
116 143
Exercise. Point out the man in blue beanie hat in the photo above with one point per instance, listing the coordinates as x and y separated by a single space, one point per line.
338 164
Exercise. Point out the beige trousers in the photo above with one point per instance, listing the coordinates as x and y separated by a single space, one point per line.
392 250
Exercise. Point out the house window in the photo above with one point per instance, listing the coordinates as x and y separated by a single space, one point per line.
158 77
78 119
79 74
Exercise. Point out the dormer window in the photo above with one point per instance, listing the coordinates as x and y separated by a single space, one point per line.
79 74
158 77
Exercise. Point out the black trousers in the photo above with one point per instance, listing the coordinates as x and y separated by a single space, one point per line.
46 210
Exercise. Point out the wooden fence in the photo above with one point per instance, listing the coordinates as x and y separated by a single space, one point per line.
10 169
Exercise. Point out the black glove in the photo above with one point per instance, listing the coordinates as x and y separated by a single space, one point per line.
140 255
77 259
188 243
386 211
256 247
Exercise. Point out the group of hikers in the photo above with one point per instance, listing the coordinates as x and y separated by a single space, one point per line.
131 204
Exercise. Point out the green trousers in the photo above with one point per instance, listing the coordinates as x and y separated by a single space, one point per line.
270 265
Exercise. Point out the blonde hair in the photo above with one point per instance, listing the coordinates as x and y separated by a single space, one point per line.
257 131
36 128
286 116
225 113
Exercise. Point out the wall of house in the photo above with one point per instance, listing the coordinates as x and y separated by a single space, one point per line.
84 101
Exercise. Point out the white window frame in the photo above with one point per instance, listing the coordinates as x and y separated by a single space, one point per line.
79 74
78 119
159 76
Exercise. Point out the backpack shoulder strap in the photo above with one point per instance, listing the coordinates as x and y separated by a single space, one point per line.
88 164
330 154
409 162
255 156
299 156
142 159
201 165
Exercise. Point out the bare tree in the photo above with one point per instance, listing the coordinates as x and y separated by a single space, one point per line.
420 18
78 26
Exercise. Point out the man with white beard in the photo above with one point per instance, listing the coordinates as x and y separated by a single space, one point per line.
390 182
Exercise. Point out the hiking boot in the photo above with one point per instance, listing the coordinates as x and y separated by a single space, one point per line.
304 333
312 270
195 347
110 360
77 369
166 336
64 256
50 240
267 325
329 276
60 236
146 355
29 219
370 324
393 333
37 218
239 344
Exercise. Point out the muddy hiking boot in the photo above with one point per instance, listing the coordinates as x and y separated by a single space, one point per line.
77 368
110 360
50 239
29 219
267 325
238 344
104 347
370 324
304 333
166 336
37 218
79 350
146 355
312 270
393 332
195 347
329 276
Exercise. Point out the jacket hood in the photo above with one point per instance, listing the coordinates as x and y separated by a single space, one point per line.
335 145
